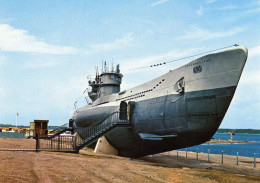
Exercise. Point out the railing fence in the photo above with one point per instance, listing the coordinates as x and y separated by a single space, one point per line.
222 156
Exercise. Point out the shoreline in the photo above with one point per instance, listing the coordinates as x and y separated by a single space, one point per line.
213 141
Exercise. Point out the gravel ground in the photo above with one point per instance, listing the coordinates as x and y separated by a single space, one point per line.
24 166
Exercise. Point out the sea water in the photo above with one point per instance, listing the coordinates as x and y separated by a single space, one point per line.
243 149
12 135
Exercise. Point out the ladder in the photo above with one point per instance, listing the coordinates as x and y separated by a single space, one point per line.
93 132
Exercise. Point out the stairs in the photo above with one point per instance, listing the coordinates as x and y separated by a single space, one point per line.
61 129
99 129
85 137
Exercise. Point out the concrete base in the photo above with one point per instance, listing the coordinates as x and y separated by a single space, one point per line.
104 147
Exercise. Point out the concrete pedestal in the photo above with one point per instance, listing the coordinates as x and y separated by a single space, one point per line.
104 147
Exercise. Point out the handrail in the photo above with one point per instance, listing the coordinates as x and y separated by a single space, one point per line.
100 128
105 121
62 127
98 122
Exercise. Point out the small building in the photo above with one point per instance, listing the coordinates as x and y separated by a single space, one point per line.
38 127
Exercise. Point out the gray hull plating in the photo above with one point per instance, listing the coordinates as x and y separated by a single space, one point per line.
186 105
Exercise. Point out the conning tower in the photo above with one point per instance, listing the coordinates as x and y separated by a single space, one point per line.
106 83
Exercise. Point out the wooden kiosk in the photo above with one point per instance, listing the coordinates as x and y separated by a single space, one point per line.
38 127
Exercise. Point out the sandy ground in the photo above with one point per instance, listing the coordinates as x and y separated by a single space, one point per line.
24 166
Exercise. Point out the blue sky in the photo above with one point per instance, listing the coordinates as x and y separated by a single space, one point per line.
48 48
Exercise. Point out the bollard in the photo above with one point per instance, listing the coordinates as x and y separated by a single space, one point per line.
197 153
222 160
208 154
186 153
254 161
177 153
237 158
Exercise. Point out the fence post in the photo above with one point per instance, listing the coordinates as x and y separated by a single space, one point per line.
222 158
59 143
208 154
37 143
254 161
237 158
197 153
186 152
74 142
51 143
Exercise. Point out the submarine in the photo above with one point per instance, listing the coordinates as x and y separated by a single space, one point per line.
183 107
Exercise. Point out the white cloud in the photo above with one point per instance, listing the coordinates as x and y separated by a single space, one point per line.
203 34
254 51
2 93
252 78
129 64
18 40
159 2
199 11
65 93
5 20
252 11
39 64
210 1
116 44
227 7
2 59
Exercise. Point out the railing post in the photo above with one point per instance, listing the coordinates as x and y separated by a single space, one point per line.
59 143
254 161
237 158
73 143
197 153
222 158
37 143
208 154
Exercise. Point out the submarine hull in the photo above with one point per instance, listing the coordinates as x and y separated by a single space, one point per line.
191 129
179 109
